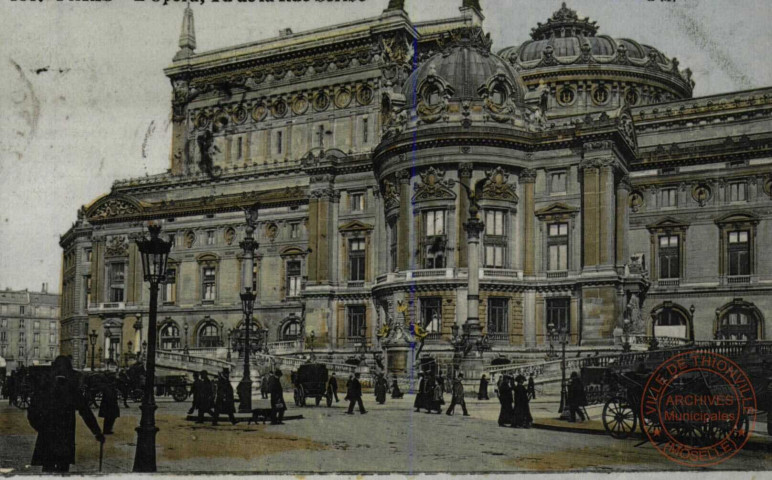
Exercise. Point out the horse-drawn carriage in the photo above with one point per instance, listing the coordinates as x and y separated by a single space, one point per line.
310 381
620 386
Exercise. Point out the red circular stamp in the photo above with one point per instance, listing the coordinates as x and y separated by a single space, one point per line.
698 408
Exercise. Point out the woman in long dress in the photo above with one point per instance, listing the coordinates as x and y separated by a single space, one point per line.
522 415
506 413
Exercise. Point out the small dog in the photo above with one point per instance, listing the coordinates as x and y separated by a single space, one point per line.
260 413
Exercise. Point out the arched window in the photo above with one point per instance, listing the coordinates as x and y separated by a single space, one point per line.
671 321
290 330
209 335
739 320
169 338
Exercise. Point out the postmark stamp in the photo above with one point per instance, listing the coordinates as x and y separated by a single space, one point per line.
699 408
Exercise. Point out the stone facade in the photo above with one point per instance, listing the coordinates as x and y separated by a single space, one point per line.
367 173
29 327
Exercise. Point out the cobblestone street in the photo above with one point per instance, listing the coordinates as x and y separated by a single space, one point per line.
389 438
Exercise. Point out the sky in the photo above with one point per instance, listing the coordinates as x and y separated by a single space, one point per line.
84 100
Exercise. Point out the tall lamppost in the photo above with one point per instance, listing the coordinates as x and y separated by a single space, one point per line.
155 253
626 335
248 245
130 353
92 338
186 350
144 350
109 337
230 334
561 336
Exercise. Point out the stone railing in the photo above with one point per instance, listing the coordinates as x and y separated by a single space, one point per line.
668 282
561 274
738 279
285 347
500 273
181 361
431 273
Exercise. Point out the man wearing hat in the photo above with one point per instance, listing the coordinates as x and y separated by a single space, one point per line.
355 396
277 399
458 396
482 392
204 396
332 386
224 398
522 414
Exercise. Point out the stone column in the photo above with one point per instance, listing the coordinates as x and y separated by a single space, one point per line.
179 153
528 179
590 214
607 207
319 216
474 228
465 176
622 221
403 224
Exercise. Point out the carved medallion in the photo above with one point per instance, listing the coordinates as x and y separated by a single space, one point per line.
259 112
271 230
702 193
202 120
433 185
238 114
321 102
230 236
116 247
299 105
343 98
190 239
636 201
365 95
279 108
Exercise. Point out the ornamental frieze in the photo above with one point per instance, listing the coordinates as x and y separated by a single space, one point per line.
433 185
390 195
497 186
116 247
112 208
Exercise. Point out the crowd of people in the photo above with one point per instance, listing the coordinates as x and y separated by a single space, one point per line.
514 399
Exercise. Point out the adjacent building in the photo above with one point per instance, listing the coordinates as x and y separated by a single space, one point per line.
612 200
29 327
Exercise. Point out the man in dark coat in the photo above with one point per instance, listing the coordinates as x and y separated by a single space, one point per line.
108 408
381 386
506 399
430 385
205 396
420 395
576 397
458 396
265 385
332 386
355 396
522 415
224 399
531 388
482 392
193 390
277 399
52 415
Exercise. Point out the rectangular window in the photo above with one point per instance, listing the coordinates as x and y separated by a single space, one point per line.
434 239
739 253
495 238
393 240
51 338
431 314
210 237
279 142
36 325
357 201
558 182
22 325
294 230
356 260
669 257
738 192
35 337
116 276
239 148
22 336
293 279
52 327
3 336
356 321
497 315
4 323
87 288
36 353
558 314
21 352
668 197
170 288
88 254
365 130
21 310
209 283
557 245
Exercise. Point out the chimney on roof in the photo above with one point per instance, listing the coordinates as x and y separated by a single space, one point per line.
187 36
474 8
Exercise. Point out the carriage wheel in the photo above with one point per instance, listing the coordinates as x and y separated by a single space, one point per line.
180 393
619 418
23 401
297 397
328 396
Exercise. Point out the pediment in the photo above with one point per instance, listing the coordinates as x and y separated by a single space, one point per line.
738 217
292 251
557 210
355 226
668 223
113 206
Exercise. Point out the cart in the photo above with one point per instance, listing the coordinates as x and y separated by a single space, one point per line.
310 381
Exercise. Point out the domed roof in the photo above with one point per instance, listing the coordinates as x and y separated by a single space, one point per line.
465 64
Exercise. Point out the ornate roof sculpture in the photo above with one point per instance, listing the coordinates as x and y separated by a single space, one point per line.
566 40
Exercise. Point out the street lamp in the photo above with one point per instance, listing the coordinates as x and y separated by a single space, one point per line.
185 327
313 339
155 253
130 353
144 350
230 334
626 335
109 348
560 335
245 386
92 338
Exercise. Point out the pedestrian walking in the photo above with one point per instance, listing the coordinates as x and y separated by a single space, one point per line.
458 396
531 387
381 386
108 408
506 413
522 412
205 396
278 407
265 385
193 390
52 415
482 392
355 396
12 389
395 391
576 397
224 399
123 385
438 399
420 395
332 387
